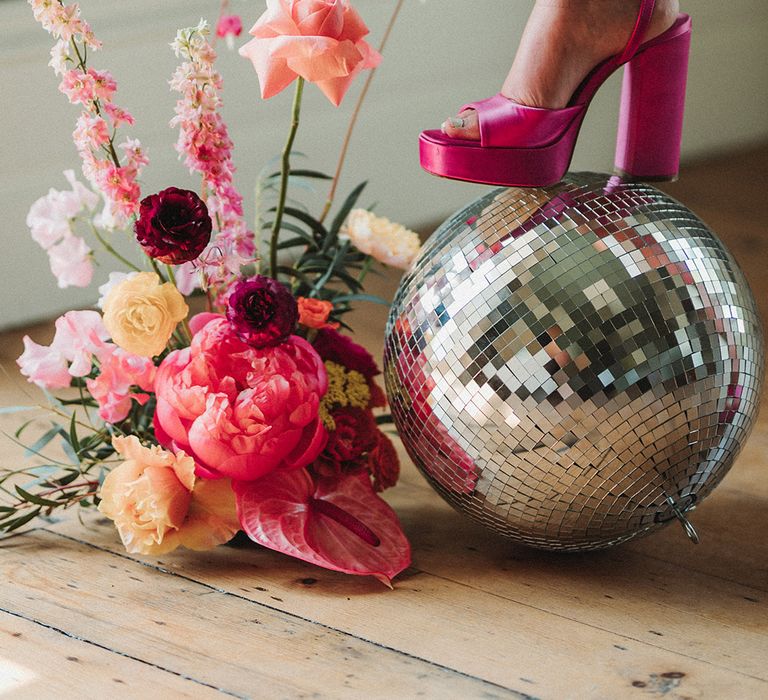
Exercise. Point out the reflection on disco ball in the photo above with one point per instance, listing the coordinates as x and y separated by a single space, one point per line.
575 365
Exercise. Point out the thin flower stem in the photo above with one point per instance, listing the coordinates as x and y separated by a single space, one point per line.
112 251
356 114
156 268
184 322
284 173
366 267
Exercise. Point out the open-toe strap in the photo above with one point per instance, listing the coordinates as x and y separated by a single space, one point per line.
504 122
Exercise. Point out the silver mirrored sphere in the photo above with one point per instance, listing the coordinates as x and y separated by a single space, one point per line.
576 365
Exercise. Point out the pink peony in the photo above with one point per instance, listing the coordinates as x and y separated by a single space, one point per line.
318 40
240 411
119 372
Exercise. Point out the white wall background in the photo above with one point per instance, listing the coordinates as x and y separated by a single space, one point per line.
441 54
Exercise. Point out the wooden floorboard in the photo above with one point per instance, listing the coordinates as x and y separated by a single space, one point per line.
474 617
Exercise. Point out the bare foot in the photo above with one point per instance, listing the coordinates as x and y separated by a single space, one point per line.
562 42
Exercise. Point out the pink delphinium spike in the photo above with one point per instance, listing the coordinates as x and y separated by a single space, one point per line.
206 147
94 135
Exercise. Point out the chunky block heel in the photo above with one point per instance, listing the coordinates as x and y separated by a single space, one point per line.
532 147
652 105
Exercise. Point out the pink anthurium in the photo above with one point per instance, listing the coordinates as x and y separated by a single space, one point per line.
340 524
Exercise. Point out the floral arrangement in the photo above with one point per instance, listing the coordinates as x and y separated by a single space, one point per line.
257 414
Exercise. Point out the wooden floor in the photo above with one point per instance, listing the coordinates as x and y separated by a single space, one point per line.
475 616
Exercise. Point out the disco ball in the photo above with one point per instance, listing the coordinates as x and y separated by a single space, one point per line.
576 365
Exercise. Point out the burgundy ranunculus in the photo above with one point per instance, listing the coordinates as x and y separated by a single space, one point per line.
354 436
173 226
262 311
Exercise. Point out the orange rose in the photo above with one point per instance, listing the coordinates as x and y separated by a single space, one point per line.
313 313
157 504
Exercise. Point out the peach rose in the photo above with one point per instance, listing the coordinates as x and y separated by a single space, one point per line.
157 504
313 313
318 40
141 314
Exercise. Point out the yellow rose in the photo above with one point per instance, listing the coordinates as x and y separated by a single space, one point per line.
141 314
157 504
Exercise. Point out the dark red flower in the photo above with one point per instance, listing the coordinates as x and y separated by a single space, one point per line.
332 345
262 311
173 226
383 463
348 445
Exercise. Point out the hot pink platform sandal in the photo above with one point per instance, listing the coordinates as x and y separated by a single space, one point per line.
532 147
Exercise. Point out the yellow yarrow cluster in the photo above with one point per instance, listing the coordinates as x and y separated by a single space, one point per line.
346 387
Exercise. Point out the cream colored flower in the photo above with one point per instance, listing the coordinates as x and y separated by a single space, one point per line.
141 314
158 505
388 242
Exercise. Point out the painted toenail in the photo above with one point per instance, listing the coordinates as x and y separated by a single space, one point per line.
456 122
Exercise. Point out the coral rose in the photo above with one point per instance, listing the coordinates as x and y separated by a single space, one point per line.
141 314
241 411
318 40
157 504
313 313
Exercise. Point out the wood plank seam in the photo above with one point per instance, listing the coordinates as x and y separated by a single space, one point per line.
599 628
519 694
103 647
214 589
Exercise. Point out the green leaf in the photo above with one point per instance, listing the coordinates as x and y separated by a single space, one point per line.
41 442
343 213
23 427
23 520
16 409
291 243
37 500
360 297
310 221
73 433
71 454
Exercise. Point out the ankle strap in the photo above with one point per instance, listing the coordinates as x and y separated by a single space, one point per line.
641 26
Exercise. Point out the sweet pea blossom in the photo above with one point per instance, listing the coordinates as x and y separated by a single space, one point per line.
318 40
50 220
71 262
79 336
119 372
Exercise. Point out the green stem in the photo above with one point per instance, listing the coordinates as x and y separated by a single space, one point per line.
184 322
284 173
112 251
156 268
364 271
